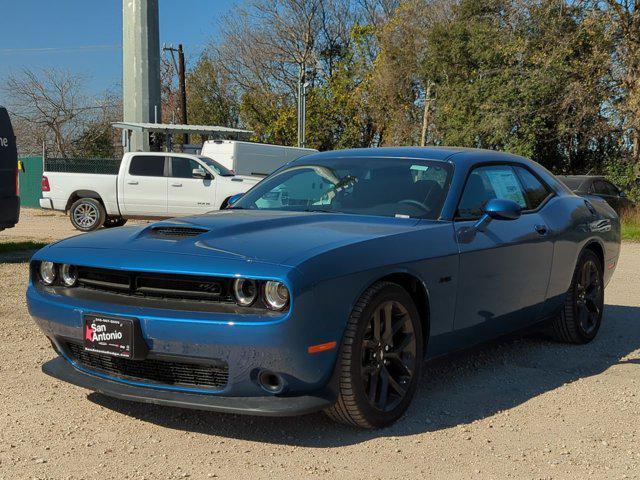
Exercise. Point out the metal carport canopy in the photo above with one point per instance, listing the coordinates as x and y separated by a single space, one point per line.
172 128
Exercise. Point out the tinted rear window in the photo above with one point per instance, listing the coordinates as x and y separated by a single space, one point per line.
572 183
147 166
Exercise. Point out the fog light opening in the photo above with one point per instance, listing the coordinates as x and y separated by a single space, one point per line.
271 382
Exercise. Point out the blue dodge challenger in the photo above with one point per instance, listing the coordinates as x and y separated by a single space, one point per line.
327 285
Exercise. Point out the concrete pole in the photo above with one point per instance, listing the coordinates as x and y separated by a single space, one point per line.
141 66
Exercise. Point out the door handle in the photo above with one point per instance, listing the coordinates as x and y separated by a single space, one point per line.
541 229
132 182
176 184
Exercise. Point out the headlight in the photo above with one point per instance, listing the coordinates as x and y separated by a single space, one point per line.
69 275
245 290
276 295
47 273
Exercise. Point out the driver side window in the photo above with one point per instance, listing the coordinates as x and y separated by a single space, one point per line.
486 183
183 167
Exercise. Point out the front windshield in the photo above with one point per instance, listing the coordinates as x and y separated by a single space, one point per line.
366 186
216 167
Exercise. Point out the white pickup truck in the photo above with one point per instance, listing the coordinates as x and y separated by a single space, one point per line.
149 185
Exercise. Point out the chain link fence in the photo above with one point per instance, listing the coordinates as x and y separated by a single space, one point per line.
106 166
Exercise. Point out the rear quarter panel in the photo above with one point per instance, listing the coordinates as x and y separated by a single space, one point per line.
574 226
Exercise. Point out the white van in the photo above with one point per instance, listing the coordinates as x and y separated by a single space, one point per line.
247 158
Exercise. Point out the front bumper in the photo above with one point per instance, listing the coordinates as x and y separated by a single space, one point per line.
264 406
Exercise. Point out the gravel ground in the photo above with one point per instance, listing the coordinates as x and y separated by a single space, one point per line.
519 408
43 226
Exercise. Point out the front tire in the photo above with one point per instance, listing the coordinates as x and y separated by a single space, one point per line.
581 316
87 214
380 360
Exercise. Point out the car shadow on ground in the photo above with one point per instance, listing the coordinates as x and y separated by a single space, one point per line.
454 390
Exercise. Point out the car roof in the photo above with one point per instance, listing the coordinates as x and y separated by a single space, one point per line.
582 177
456 155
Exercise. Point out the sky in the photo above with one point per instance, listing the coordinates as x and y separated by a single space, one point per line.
85 36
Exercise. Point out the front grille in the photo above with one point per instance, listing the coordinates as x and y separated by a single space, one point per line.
177 232
157 285
152 370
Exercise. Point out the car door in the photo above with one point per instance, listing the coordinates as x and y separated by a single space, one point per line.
189 194
504 269
145 187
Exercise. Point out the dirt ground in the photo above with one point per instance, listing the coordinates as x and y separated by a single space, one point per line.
525 408
43 226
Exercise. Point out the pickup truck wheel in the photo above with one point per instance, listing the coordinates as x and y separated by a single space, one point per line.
112 222
87 214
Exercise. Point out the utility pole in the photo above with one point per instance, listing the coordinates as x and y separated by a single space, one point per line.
426 115
302 105
182 83
141 67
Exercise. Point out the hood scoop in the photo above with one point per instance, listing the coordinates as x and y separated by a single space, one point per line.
175 232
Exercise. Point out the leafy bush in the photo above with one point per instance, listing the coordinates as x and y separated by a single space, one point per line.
623 175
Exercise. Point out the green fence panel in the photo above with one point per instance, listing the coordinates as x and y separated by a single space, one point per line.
106 166
31 182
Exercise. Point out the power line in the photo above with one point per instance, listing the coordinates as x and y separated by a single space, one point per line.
79 48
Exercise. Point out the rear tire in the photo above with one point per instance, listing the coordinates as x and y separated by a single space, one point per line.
380 360
87 215
581 315
112 222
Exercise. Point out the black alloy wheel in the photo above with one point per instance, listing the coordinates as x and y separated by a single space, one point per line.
380 358
388 355
581 315
589 298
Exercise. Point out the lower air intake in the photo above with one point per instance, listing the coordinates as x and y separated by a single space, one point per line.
153 370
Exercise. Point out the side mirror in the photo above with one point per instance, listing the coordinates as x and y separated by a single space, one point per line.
199 173
233 199
21 166
499 209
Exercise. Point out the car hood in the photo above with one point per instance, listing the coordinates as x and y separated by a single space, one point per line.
283 238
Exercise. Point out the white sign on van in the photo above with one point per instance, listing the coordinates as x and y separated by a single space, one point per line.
4 142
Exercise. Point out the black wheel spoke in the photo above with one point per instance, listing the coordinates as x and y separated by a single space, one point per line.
404 345
395 358
388 355
392 382
373 385
368 370
388 322
376 325
384 389
592 306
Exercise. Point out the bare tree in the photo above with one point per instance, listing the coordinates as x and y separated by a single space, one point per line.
265 44
52 102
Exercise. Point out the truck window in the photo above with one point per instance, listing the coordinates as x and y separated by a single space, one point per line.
147 166
184 167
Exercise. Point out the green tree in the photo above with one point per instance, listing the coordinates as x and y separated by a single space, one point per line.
210 98
527 79
95 141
